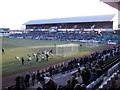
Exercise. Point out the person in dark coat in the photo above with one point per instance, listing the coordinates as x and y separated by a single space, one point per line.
79 70
27 78
68 86
85 77
93 75
18 78
22 83
50 71
38 75
33 78
73 81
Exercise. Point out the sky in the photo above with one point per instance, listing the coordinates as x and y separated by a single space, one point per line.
14 13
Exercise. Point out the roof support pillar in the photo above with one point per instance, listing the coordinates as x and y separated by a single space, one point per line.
119 17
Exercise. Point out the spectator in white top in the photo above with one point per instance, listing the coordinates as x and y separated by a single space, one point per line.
79 78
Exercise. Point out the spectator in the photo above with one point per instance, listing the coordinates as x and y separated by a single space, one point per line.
79 70
48 83
87 70
98 70
27 78
84 77
79 78
68 85
50 71
93 75
18 78
73 81
33 78
22 83
38 75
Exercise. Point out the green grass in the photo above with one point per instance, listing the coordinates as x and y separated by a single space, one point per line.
22 47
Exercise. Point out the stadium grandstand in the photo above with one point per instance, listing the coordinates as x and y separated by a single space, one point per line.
85 23
4 32
98 28
99 69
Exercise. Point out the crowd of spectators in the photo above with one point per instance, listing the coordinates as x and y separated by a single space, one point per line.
70 36
89 68
71 26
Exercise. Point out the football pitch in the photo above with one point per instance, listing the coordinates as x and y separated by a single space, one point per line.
23 47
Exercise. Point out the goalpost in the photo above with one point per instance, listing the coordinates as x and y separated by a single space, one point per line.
91 43
66 49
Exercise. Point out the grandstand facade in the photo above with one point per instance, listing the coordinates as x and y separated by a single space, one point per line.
83 23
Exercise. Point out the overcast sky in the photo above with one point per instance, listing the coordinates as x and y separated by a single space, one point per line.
14 13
